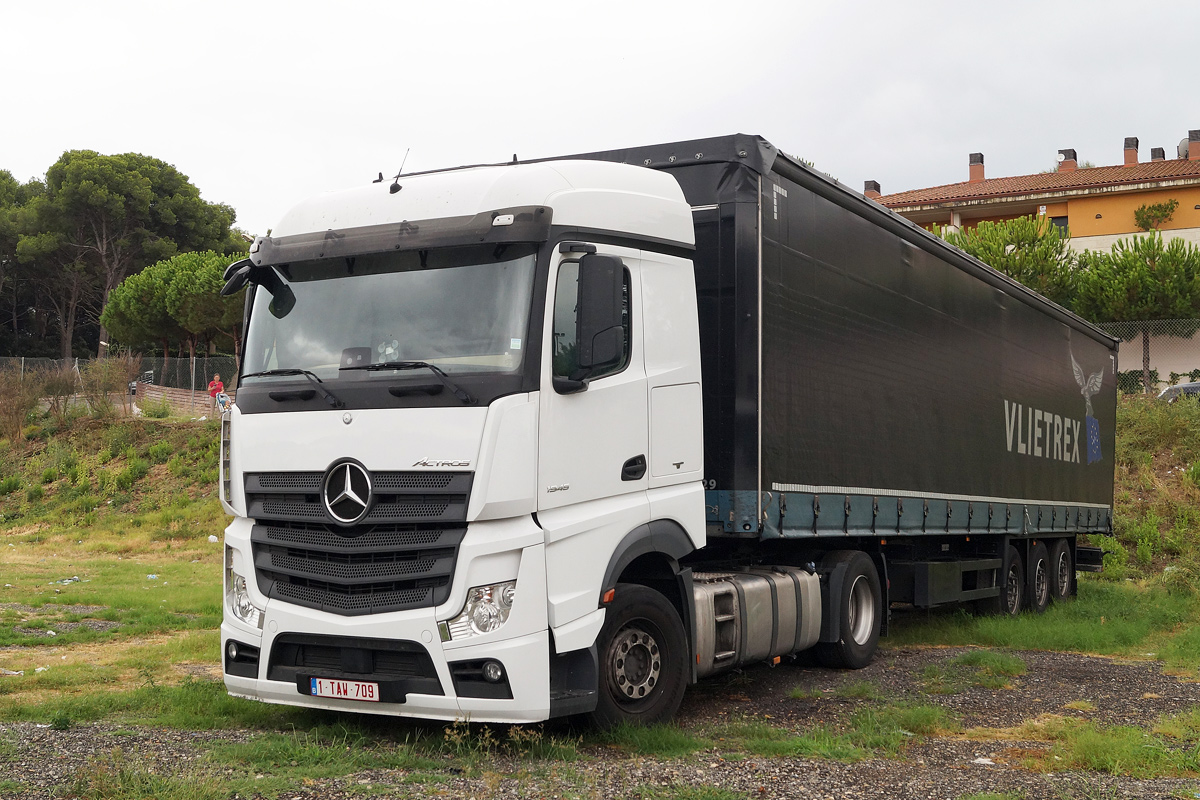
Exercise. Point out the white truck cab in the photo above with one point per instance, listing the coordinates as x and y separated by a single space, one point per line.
431 473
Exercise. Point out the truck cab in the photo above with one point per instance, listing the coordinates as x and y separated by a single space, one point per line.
470 402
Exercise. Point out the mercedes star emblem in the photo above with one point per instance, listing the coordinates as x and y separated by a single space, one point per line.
347 492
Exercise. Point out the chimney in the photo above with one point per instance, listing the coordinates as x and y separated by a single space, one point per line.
1193 145
1158 154
1131 148
976 174
1067 161
871 190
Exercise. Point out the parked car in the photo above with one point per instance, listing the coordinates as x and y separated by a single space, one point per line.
1173 393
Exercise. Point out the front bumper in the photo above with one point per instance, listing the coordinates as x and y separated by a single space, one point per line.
490 552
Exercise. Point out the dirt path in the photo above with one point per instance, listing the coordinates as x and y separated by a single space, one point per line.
986 759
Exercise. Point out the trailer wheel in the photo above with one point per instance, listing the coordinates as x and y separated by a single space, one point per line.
1011 598
643 659
1039 578
860 609
1062 571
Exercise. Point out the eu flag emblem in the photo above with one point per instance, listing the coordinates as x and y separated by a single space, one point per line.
1093 439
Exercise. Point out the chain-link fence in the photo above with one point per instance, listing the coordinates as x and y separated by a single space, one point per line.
174 373
183 373
23 365
1168 350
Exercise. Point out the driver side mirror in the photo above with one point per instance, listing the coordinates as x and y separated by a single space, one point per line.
599 329
239 273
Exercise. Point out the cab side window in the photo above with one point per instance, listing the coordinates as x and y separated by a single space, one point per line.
566 347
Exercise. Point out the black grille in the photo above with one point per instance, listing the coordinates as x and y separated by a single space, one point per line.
400 556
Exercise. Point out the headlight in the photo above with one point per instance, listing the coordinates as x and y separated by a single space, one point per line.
237 596
486 609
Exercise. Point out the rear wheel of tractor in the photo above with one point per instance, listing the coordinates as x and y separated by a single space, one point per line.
1011 598
859 606
1038 590
1062 571
643 659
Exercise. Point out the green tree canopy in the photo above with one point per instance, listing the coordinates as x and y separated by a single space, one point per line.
1141 279
177 299
120 213
1031 250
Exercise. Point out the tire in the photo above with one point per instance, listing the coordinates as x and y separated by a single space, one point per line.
1062 571
1038 590
1011 598
860 608
642 652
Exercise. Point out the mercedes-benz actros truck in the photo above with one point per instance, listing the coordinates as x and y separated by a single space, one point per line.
562 437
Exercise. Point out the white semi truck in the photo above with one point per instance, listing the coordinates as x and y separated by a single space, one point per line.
539 439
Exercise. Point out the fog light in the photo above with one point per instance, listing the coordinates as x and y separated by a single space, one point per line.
492 671
231 650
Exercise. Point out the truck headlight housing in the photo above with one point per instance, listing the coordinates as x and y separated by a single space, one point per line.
486 610
237 595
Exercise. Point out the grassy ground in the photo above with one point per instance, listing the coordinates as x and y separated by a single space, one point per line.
111 602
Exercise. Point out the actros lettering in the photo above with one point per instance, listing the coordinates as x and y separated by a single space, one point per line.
429 462
1037 433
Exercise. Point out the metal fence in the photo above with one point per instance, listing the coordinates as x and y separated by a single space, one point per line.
184 373
175 373
1170 348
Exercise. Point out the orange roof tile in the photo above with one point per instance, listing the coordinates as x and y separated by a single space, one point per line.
1093 177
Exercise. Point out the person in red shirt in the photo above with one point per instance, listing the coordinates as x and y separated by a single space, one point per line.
215 387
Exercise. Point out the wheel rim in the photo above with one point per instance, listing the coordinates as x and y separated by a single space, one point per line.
860 615
634 663
1041 582
1012 596
1064 574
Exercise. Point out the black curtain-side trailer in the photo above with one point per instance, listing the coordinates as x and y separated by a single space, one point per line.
867 381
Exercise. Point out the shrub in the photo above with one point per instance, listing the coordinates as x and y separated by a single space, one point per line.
19 395
156 409
34 493
60 384
9 485
160 452
50 475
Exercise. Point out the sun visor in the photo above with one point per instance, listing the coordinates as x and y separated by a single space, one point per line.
504 225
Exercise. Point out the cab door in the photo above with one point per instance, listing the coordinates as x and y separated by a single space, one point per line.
593 438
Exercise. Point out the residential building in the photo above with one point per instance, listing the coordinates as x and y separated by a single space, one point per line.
1096 203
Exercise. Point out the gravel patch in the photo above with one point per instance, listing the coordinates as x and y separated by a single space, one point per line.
1120 693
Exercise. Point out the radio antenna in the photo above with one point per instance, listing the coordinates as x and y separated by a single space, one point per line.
402 163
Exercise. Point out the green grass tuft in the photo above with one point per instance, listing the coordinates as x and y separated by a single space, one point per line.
665 741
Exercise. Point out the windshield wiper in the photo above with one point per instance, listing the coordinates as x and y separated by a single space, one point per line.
459 393
333 400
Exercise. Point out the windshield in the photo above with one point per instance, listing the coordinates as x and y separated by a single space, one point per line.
462 309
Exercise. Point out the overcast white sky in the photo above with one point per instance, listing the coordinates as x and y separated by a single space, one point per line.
262 104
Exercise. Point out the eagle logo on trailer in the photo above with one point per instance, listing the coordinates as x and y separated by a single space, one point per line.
1088 386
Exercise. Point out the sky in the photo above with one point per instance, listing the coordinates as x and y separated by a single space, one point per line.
263 104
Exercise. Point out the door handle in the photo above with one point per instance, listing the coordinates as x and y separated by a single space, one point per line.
634 469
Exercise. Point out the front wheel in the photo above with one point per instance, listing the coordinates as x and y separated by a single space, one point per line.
859 606
642 651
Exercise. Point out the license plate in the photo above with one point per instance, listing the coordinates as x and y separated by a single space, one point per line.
345 690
